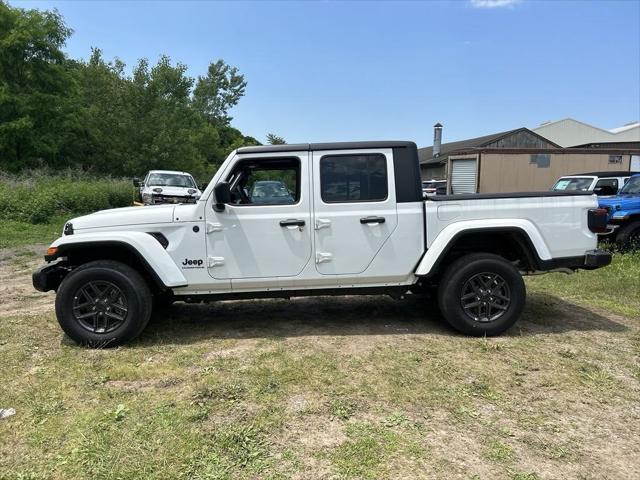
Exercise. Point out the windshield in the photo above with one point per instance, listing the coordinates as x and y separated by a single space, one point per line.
269 189
573 184
170 180
632 186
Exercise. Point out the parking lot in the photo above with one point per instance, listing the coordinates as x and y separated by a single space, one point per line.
354 387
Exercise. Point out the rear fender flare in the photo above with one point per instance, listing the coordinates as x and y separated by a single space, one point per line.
447 237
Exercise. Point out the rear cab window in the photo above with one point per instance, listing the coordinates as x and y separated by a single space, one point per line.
353 178
573 184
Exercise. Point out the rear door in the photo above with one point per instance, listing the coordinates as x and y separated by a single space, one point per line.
354 208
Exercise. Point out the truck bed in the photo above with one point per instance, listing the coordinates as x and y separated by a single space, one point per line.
486 196
556 222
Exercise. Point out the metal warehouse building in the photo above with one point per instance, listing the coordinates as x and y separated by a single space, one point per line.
518 160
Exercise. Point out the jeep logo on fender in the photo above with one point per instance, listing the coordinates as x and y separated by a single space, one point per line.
189 263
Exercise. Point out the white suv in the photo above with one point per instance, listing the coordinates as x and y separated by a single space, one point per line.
166 186
600 183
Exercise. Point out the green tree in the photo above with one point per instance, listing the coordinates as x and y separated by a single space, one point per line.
35 87
58 112
273 139
218 91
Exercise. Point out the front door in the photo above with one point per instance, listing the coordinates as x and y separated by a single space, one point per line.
354 208
265 232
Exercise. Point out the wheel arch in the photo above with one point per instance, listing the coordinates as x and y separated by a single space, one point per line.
512 242
140 251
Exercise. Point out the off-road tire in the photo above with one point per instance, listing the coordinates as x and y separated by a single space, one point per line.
459 280
628 237
130 287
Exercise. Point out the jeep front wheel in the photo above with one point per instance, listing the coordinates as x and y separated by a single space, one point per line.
481 294
103 304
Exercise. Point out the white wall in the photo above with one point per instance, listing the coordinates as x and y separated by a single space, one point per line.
570 132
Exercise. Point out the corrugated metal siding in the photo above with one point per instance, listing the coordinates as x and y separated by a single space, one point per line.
463 176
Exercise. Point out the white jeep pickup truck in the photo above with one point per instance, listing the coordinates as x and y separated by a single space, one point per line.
341 219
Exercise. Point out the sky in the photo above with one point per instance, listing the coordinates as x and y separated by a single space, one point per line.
341 71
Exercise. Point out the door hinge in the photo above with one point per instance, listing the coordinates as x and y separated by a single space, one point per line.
215 261
214 227
322 257
322 223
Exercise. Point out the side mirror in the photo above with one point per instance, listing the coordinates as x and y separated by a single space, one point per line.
136 182
222 194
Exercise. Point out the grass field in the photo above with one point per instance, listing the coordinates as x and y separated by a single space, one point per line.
15 233
328 388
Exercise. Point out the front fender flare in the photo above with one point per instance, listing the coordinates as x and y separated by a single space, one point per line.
448 235
144 246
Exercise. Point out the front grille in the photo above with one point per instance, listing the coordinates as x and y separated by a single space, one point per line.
160 199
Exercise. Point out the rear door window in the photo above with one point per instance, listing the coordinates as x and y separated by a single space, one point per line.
353 178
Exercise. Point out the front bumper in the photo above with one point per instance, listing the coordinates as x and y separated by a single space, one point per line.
49 276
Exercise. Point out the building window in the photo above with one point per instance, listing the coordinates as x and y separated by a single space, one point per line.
353 178
542 160
615 158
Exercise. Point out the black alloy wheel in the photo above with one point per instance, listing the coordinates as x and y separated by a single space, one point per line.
100 306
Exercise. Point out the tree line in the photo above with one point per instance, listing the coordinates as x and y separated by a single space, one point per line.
59 112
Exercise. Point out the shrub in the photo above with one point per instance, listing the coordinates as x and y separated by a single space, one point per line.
37 198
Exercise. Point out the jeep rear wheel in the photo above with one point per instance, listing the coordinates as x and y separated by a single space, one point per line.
481 294
103 304
628 237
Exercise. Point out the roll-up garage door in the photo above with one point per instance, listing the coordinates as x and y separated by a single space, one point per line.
463 175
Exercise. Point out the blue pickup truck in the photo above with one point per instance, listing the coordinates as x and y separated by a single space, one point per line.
623 215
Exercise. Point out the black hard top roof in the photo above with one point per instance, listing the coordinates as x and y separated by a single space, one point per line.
614 173
296 147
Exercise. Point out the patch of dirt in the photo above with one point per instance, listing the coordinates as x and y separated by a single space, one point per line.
315 432
297 404
237 350
135 385
17 295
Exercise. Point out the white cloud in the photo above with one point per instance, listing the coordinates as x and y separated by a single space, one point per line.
493 3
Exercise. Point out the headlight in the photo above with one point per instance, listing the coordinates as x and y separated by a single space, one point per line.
146 197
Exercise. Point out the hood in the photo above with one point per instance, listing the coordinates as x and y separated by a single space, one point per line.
125 216
173 191
620 202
